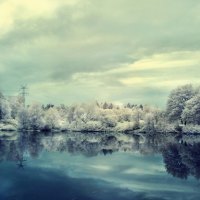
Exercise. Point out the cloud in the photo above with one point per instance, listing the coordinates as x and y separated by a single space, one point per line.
105 46
153 70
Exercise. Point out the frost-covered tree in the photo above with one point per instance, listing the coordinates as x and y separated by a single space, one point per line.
105 106
191 112
36 117
71 114
110 106
176 101
63 110
149 123
16 104
5 110
23 119
51 119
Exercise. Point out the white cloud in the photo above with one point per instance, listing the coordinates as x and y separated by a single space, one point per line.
13 10
135 73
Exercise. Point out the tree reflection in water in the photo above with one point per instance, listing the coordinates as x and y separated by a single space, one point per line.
181 157
182 160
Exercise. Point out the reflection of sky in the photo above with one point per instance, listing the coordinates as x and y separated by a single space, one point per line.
117 176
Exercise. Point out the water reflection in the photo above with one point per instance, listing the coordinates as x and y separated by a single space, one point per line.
182 160
99 166
181 157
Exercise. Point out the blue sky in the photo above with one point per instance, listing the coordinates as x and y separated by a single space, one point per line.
110 50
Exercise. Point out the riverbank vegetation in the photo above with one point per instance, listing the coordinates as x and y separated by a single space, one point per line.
182 114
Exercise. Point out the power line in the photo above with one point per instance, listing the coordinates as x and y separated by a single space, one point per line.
24 93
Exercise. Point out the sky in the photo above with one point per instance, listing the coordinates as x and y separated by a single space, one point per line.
71 51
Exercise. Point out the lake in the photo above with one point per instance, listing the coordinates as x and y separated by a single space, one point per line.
99 166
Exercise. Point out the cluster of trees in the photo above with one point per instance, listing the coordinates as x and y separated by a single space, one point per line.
183 107
9 108
80 117
86 117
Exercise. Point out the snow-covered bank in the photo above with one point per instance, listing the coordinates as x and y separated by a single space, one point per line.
96 119
8 125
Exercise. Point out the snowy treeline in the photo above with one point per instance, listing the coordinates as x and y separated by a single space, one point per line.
80 117
183 108
87 117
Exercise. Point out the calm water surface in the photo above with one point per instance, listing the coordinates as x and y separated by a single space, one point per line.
77 166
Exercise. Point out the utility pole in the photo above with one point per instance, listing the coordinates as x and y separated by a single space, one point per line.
23 94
